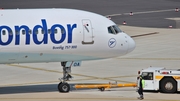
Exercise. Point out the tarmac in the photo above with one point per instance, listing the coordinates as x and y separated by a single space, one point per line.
38 81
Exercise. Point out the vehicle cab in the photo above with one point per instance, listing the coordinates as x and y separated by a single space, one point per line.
149 77
161 79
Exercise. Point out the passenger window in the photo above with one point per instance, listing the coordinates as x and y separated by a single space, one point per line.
49 31
55 31
42 31
10 33
147 75
30 31
4 32
17 32
62 31
36 32
23 32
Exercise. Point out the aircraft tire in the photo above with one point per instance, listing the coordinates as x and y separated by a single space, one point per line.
63 87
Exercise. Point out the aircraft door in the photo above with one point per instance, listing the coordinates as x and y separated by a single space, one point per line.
87 32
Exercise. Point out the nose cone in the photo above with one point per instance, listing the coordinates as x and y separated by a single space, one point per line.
131 45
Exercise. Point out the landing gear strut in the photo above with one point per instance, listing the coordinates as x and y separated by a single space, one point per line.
63 86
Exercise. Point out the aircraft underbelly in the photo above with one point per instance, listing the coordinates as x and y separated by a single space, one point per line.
11 57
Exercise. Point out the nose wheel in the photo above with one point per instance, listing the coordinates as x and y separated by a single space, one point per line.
63 87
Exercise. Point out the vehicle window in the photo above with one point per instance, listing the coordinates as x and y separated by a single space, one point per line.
110 30
147 75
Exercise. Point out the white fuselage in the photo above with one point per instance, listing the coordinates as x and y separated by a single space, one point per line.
54 35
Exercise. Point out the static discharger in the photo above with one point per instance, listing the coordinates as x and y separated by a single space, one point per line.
102 87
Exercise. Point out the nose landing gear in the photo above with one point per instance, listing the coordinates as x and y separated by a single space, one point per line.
63 86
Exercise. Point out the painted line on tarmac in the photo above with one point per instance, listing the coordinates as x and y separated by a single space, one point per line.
70 98
140 35
114 15
35 83
81 75
33 68
104 78
145 12
30 83
122 76
156 11
150 58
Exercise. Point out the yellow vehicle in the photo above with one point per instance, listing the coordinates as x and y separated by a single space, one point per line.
161 79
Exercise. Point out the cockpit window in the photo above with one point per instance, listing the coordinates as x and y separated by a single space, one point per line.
111 30
114 29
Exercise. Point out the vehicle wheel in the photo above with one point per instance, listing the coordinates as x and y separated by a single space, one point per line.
63 87
168 85
101 89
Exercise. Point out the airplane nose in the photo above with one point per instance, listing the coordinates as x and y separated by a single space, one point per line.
131 45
